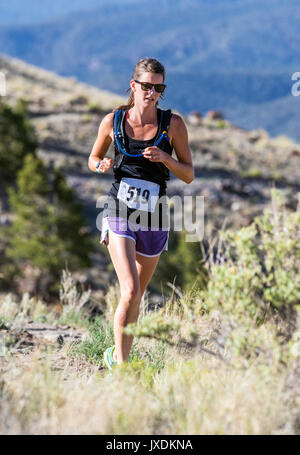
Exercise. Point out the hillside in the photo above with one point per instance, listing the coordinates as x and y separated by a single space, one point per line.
224 54
233 345
66 116
234 168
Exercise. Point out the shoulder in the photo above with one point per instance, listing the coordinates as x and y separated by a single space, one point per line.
108 119
106 125
176 121
177 128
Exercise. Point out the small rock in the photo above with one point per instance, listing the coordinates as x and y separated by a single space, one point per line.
295 152
253 137
195 118
63 327
60 340
4 220
235 206
3 326
215 115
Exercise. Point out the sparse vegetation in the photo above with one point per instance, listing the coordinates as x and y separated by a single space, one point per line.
218 353
94 108
47 227
182 265
17 139
79 99
254 173
221 124
234 353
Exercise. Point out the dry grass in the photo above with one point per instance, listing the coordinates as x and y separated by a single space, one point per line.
197 367
163 390
198 396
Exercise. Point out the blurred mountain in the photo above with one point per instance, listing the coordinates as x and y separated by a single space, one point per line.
227 54
14 12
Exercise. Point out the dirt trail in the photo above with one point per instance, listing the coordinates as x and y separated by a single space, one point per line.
33 341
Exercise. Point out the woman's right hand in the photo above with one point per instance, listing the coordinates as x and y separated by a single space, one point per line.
105 165
101 145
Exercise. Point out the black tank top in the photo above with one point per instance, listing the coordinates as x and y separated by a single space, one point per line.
138 167
141 167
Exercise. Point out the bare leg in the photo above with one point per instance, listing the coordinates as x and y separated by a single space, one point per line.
134 273
122 253
146 267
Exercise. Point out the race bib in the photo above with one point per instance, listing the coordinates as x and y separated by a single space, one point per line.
138 194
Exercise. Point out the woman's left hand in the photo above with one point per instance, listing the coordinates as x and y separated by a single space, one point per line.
155 154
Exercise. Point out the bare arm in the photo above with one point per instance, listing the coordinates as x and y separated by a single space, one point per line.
100 147
183 166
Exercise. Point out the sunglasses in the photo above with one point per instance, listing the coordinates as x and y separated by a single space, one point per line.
159 88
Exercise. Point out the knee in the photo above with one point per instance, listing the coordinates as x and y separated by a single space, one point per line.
131 294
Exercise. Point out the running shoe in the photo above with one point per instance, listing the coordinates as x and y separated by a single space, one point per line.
108 357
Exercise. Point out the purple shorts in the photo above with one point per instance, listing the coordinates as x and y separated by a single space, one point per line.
148 243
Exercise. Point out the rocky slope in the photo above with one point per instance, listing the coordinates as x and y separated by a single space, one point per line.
234 168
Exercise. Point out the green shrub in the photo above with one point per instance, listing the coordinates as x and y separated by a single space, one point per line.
100 338
257 282
47 227
221 124
182 265
94 108
17 139
79 100
254 173
261 268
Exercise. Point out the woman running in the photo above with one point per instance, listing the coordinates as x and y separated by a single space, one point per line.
144 137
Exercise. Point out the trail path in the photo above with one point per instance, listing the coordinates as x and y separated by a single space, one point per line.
32 341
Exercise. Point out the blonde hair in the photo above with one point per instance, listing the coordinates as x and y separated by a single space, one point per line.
144 65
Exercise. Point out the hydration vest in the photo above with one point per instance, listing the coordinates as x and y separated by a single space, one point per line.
134 164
